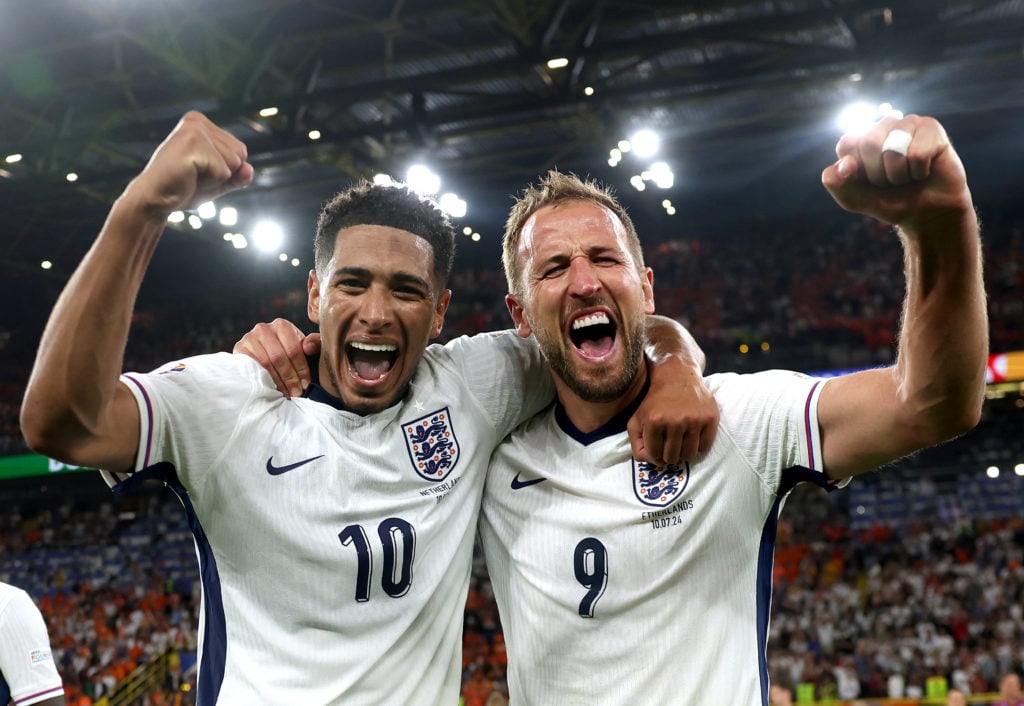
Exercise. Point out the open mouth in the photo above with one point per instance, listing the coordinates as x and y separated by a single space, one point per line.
371 362
593 335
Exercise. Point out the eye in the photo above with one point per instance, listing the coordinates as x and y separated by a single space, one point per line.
553 271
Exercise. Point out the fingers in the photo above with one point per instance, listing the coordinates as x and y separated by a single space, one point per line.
279 348
663 443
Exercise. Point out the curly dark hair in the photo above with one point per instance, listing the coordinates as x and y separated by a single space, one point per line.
394 206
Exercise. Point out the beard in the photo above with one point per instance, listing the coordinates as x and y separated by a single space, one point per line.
607 383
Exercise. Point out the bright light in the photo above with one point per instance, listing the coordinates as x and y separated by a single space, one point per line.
283 257
1019 469
71 177
228 216
588 91
638 182
383 180
195 221
992 471
229 237
467 230
313 134
744 348
559 63
856 77
624 146
475 237
671 210
615 154
666 203
267 236
662 176
422 180
452 205
238 241
765 346
856 118
207 210
176 217
13 158
645 143
296 262
46 264
268 112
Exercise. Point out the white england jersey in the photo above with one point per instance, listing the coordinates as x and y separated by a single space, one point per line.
27 672
617 584
334 549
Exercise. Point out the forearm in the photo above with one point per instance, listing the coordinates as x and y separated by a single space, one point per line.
670 342
943 346
75 377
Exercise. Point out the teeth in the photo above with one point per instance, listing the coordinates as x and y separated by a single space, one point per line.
374 347
592 320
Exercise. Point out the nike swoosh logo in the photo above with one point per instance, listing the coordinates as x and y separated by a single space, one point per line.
517 484
278 470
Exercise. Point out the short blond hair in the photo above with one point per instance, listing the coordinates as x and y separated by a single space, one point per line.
553 189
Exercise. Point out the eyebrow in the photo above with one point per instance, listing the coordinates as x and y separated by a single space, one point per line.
394 278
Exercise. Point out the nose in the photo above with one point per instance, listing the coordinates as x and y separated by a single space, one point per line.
583 278
375 310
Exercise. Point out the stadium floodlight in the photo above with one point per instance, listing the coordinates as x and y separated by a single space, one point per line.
296 262
638 182
268 112
645 143
238 241
857 117
588 90
452 205
267 236
558 63
207 210
422 180
46 264
13 158
467 230
195 221
228 216
314 135
1019 469
283 257
662 176
625 145
176 217
992 471
475 237
383 180
71 177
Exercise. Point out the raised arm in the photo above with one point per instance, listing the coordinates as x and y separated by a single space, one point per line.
905 172
75 409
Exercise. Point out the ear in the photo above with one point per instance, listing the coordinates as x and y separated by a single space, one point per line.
647 282
440 309
313 297
522 325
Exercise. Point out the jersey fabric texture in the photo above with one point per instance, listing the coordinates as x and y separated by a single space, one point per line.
618 584
27 672
334 549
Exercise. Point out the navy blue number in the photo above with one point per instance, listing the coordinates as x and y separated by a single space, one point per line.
398 541
396 533
591 563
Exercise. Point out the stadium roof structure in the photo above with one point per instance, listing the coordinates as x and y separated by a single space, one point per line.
743 94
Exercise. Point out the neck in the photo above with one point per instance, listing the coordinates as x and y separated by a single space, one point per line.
587 416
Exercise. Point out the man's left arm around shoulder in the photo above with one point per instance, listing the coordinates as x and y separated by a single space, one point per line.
906 173
678 419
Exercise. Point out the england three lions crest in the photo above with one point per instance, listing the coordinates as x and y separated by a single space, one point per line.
659 488
432 445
